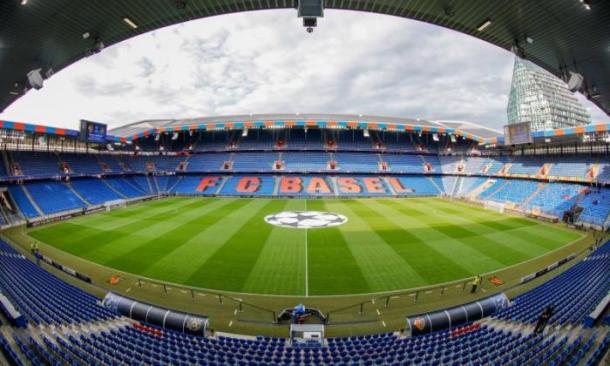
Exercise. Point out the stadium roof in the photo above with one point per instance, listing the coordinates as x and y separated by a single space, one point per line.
560 36
468 129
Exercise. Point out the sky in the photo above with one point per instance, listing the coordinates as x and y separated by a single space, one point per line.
265 62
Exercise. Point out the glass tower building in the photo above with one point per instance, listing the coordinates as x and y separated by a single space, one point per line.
541 98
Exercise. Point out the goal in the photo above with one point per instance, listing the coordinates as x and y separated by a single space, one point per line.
110 205
494 206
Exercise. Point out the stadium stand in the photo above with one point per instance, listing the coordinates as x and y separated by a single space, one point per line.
42 297
357 162
207 162
573 294
36 164
254 162
502 339
305 162
23 201
95 191
46 193
123 187
81 164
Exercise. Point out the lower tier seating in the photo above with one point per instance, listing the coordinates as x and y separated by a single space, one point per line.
46 300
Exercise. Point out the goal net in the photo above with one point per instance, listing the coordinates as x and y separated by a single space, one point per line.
495 206
115 204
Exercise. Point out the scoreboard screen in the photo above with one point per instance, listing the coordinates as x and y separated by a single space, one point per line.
93 131
517 134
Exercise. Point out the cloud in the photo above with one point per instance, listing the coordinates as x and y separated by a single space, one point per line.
264 62
89 87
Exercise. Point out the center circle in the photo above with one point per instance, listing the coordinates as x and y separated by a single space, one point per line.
305 219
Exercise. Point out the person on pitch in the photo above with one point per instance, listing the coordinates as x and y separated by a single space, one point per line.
475 283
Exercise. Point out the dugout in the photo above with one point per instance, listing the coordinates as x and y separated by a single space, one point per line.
164 318
455 316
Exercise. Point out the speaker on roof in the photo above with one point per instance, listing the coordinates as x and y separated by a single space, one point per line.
35 79
575 82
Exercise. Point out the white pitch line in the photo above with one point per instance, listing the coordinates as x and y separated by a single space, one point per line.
306 260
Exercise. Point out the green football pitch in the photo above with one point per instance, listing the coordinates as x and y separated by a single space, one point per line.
225 244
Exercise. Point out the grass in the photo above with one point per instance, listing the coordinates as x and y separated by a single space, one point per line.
224 244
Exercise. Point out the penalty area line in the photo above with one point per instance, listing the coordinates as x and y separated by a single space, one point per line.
306 269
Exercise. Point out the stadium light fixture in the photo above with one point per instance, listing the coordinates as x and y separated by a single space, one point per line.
130 22
484 25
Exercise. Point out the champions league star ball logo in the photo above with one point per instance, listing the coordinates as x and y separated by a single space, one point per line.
305 219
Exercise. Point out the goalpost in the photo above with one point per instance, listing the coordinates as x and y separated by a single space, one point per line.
110 205
494 206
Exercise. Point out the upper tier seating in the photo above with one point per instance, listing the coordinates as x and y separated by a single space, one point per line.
301 140
305 162
404 163
214 140
352 140
207 162
254 162
37 164
82 163
257 140
529 166
357 162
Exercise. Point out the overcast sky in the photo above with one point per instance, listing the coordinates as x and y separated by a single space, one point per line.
265 62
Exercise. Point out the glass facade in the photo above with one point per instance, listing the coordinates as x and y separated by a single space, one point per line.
541 98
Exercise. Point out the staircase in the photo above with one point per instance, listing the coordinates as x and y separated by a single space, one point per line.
7 161
223 181
440 191
150 186
112 188
482 188
525 202
31 199
156 184
170 189
457 186
505 169
77 194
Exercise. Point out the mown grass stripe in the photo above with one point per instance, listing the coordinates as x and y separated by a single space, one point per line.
280 267
466 232
471 225
82 242
169 238
198 248
466 256
332 268
379 263
527 236
230 266
422 258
